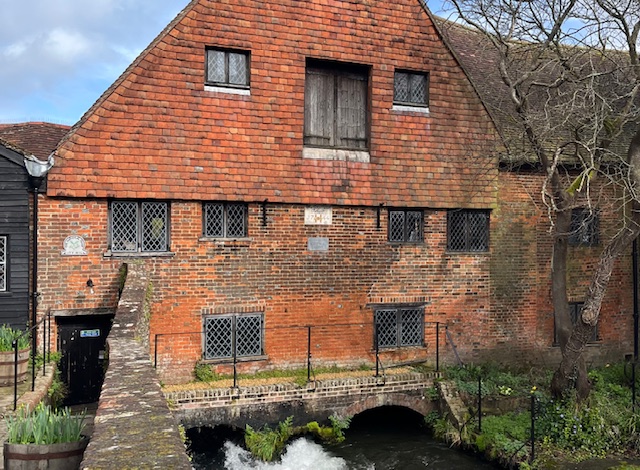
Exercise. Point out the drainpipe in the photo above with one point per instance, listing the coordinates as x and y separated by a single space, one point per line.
634 257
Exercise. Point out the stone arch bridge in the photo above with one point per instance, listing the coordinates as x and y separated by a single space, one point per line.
316 401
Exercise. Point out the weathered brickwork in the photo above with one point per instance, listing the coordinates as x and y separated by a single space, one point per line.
159 134
273 272
316 401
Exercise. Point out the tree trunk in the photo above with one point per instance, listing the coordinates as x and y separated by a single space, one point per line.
572 370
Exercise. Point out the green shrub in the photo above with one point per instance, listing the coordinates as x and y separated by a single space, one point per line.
8 335
204 373
267 443
44 425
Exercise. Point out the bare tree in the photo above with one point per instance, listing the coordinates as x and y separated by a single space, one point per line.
570 71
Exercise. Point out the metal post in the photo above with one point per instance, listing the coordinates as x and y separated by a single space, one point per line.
308 354
634 257
479 403
377 351
437 346
44 346
533 428
34 281
15 374
155 351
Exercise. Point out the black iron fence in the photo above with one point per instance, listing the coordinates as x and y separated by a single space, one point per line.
232 340
45 323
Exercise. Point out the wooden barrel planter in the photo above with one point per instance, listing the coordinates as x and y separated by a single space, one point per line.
65 456
7 366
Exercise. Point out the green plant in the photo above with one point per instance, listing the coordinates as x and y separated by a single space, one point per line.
8 335
266 444
339 424
44 425
204 373
57 391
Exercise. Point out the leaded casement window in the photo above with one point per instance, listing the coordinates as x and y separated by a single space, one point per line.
584 228
225 220
224 334
335 107
4 258
411 88
227 68
468 230
399 327
139 226
406 225
575 309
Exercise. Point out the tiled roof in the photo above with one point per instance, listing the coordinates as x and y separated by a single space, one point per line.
37 138
158 133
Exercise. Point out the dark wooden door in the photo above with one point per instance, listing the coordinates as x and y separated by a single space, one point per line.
82 341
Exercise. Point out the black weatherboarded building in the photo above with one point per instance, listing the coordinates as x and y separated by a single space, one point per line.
17 141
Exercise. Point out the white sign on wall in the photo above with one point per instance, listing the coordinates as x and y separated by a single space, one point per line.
318 215
74 245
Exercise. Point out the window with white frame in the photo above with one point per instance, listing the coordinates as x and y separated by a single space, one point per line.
411 88
139 226
227 68
4 255
225 220
406 225
399 326
224 334
335 106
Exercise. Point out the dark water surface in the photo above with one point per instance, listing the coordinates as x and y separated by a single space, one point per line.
387 438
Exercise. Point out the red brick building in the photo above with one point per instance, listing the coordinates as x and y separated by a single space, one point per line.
284 165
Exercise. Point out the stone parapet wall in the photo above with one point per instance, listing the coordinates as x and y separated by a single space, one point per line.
318 400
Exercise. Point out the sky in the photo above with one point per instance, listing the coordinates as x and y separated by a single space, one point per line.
58 56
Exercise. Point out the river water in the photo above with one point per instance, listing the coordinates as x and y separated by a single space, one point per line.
387 438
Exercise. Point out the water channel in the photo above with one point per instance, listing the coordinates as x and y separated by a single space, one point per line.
388 438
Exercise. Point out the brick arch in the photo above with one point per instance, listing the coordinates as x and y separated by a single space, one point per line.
419 404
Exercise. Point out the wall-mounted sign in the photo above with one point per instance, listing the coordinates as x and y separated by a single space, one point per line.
318 244
90 333
73 245
318 215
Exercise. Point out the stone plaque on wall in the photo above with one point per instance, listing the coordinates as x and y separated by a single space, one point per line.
318 244
73 245
317 215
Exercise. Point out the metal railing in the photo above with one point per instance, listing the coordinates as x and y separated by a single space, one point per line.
312 345
45 321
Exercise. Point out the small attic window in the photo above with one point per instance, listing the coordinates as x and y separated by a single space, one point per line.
411 89
227 69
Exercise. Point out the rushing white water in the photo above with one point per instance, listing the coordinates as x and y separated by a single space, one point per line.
301 454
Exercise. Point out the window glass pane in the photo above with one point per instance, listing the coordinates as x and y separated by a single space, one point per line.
396 226
124 226
238 73
249 335
418 89
387 328
213 220
3 264
216 66
411 330
218 337
478 231
154 226
401 87
236 220
414 226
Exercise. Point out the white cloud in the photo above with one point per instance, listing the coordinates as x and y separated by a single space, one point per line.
56 53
